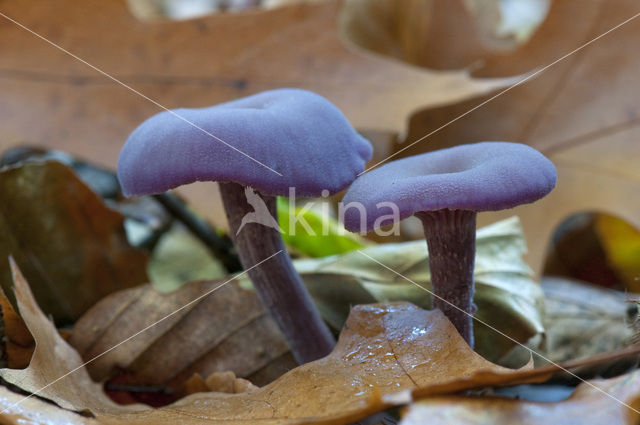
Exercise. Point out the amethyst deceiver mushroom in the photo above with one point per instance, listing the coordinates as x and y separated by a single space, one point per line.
445 189
271 142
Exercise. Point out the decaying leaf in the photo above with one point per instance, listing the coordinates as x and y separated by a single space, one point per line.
510 300
228 330
506 297
582 320
53 99
385 354
180 257
219 382
53 359
17 341
582 112
621 242
598 402
70 245
16 409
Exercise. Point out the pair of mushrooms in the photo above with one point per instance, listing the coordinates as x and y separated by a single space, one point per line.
291 138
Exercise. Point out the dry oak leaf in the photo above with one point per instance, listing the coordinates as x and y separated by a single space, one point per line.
52 359
51 98
69 244
597 402
584 112
226 331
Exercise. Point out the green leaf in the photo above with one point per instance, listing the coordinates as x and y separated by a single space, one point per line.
507 297
314 240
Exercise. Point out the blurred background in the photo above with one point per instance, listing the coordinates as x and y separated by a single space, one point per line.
399 70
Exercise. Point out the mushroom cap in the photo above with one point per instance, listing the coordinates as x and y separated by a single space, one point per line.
487 176
297 133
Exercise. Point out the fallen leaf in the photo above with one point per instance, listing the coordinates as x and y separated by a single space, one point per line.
385 354
70 245
226 382
55 100
621 242
55 371
180 257
598 402
583 112
506 297
577 252
16 339
382 350
19 410
582 320
226 331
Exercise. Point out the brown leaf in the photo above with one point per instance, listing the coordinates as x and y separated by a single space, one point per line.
70 245
16 409
17 340
583 112
599 402
226 382
50 98
55 370
221 382
227 330
383 352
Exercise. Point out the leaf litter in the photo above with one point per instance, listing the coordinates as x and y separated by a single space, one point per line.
385 353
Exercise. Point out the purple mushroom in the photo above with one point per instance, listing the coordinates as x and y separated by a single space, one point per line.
271 142
445 189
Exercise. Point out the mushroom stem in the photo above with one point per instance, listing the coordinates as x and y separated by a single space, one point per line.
451 239
277 283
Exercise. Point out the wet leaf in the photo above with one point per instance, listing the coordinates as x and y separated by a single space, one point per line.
70 245
598 402
315 234
506 297
57 101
